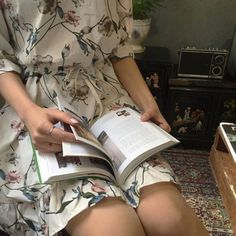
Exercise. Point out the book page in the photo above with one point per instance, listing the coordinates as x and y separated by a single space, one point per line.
83 134
83 150
229 132
54 167
128 140
81 130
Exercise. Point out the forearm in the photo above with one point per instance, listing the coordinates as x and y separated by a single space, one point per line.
13 91
130 77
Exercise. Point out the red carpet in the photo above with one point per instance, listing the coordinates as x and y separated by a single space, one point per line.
199 188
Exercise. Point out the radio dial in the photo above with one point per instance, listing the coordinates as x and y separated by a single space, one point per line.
216 70
219 59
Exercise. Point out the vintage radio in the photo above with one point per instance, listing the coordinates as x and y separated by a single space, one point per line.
202 63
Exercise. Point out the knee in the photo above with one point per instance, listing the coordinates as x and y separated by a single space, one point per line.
163 212
171 223
168 222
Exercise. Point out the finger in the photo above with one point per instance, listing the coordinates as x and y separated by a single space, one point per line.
157 119
145 116
45 135
166 127
148 115
65 117
49 147
61 135
48 139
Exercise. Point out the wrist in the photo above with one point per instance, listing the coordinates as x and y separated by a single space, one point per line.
26 110
18 98
149 104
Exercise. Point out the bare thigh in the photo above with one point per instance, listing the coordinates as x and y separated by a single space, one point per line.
111 216
163 211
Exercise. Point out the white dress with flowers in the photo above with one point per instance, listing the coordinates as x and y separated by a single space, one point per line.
63 47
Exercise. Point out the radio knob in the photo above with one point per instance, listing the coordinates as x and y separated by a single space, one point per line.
216 70
219 59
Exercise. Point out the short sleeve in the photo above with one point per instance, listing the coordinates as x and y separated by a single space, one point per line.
8 61
124 49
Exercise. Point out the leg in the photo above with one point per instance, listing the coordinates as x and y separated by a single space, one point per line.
164 212
111 216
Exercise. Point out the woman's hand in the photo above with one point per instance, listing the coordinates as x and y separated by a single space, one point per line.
155 115
39 121
46 137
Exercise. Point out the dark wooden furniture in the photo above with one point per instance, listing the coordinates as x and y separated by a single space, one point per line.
154 64
224 168
195 108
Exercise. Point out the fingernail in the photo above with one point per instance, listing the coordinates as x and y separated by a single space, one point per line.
74 121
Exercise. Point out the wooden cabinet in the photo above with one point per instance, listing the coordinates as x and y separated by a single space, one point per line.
154 64
195 108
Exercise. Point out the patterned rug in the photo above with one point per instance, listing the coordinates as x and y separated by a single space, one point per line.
199 188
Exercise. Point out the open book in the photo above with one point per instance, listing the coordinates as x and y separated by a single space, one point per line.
111 148
228 132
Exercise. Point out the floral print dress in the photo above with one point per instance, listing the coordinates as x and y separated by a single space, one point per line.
62 46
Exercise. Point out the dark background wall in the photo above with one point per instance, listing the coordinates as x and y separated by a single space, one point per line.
200 23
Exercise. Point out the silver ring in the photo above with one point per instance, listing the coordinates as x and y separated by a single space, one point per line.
51 129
